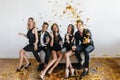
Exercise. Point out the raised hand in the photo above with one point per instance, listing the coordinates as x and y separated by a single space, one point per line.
51 34
73 48
67 38
21 34
60 42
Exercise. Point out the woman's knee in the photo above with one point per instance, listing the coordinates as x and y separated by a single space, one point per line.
22 52
54 59
61 55
67 54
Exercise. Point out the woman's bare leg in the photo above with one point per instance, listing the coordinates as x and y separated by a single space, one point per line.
68 63
60 55
54 58
21 56
26 59
67 58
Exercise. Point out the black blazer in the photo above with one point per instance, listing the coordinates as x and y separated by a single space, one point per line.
44 38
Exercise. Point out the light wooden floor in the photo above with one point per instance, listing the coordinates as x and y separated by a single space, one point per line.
100 69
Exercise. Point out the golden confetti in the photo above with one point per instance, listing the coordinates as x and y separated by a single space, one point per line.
72 10
100 69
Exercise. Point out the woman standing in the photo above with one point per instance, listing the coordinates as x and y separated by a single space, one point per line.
69 42
32 36
57 55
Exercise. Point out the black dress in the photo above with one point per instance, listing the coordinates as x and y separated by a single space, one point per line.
31 38
69 45
56 46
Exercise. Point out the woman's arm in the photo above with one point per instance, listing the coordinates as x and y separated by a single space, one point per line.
67 38
22 34
72 40
60 40
65 43
36 35
52 39
36 38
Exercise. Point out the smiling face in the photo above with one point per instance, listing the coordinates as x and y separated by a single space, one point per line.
79 25
44 27
55 28
31 23
69 29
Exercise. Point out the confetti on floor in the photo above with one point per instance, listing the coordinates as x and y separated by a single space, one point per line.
100 69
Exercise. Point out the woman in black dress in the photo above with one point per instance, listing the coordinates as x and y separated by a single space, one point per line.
32 36
56 53
69 42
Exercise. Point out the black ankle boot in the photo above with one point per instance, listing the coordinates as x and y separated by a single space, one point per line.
40 67
80 66
84 73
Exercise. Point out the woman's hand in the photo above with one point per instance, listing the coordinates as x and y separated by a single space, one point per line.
60 42
35 47
73 48
21 34
67 38
51 34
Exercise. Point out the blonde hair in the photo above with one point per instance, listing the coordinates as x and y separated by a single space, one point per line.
28 25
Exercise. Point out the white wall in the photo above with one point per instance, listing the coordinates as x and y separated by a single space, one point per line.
104 22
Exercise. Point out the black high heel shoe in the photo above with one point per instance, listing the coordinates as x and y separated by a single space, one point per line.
19 69
27 66
84 73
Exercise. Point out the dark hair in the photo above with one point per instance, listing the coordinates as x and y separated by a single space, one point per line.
45 23
56 37
53 25
79 21
72 28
